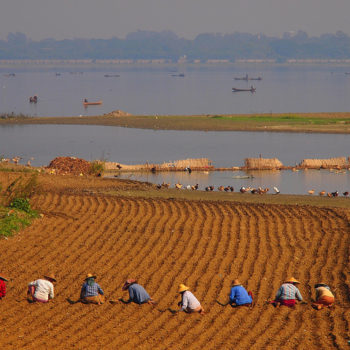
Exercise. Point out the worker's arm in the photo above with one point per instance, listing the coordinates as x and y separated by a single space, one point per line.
298 295
279 293
184 302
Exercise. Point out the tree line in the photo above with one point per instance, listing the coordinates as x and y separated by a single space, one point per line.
167 45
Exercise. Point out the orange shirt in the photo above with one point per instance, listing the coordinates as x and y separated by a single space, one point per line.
323 292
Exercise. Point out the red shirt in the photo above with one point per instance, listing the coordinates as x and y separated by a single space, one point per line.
2 288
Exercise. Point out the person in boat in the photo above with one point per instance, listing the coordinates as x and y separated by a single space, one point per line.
137 294
91 292
2 286
86 100
288 293
41 290
189 303
239 296
324 296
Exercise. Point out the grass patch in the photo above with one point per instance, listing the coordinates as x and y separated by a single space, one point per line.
283 119
97 167
13 220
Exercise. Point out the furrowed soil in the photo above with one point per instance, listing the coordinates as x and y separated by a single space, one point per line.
163 242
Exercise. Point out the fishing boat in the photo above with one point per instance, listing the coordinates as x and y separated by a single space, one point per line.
178 75
251 89
96 103
111 75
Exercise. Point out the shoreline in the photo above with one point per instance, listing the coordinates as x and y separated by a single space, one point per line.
330 123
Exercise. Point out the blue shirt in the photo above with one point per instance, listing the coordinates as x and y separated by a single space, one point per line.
240 296
91 291
138 294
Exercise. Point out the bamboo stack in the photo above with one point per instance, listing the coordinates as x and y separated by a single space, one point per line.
263 163
193 163
340 162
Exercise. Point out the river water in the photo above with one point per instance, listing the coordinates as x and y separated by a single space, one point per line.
203 90
225 149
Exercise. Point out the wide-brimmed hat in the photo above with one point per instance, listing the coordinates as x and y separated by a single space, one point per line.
50 276
2 277
321 285
90 275
236 282
291 280
128 283
183 288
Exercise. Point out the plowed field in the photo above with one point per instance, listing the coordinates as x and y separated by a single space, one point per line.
164 242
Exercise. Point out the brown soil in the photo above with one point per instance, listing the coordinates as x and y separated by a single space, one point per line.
163 242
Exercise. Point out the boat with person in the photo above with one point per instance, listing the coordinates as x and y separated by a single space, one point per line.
251 89
95 103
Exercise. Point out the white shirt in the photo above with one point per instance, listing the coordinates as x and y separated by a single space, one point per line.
189 300
43 289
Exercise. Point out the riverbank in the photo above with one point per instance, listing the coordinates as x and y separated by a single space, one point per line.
333 123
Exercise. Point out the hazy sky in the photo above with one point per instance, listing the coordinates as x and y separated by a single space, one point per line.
61 19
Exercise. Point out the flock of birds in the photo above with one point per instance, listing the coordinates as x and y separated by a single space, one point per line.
329 194
243 189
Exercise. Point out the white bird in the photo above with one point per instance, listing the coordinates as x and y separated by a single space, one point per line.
277 191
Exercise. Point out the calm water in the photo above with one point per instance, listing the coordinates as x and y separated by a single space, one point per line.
225 149
203 90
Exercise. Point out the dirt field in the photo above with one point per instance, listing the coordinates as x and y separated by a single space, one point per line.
164 242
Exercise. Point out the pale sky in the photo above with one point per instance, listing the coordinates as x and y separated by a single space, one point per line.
104 19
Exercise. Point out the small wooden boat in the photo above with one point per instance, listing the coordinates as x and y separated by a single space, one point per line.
252 89
111 75
178 75
96 103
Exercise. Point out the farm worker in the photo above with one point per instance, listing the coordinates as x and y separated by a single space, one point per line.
324 296
42 290
239 296
91 292
137 293
189 303
288 293
2 286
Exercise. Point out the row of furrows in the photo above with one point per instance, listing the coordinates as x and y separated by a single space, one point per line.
184 256
96 244
167 242
62 240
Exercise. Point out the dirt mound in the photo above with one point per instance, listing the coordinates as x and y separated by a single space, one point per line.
70 165
204 244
